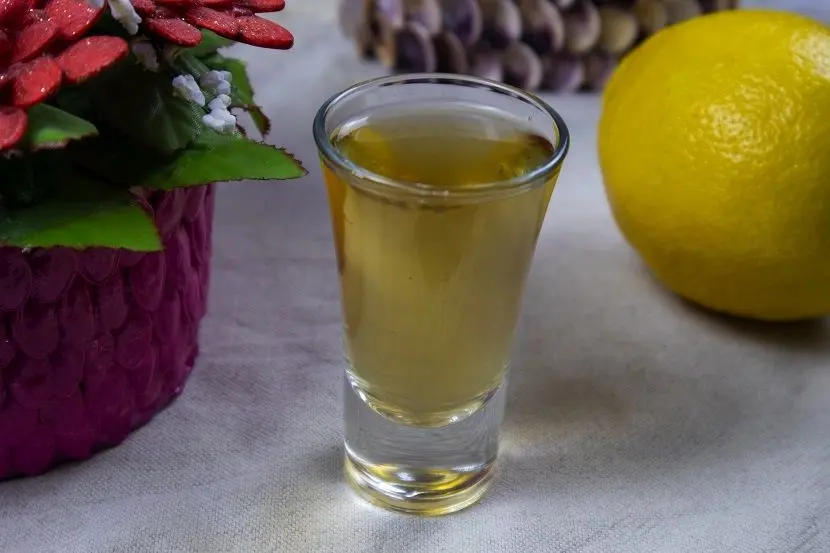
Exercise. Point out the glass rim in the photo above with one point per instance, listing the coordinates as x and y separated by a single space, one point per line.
332 155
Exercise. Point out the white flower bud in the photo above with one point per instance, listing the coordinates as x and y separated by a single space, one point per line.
222 101
223 88
123 12
217 81
186 87
220 120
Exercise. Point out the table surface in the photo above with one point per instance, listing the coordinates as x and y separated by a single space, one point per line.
635 422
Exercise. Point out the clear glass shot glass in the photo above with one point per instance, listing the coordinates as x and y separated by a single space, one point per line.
432 278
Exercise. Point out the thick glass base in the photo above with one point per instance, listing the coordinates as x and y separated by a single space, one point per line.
421 491
421 470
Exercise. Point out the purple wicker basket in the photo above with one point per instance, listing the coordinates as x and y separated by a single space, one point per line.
95 342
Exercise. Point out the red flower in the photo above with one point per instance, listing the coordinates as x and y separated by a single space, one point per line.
41 47
43 43
179 21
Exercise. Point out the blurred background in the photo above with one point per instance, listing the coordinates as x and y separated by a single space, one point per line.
820 9
560 46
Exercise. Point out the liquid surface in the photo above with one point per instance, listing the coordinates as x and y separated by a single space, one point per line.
431 291
445 146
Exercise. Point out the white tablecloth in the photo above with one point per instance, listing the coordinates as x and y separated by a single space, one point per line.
635 423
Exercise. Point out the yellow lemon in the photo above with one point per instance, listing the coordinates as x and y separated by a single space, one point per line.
714 144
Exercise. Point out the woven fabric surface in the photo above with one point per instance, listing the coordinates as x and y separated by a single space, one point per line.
635 423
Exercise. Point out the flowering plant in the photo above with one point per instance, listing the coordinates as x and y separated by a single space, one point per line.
103 100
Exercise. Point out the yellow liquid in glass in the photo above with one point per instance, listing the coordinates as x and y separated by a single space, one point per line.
431 290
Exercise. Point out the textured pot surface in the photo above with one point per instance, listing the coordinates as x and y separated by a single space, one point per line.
94 342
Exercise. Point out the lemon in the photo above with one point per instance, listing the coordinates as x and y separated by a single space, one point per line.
714 144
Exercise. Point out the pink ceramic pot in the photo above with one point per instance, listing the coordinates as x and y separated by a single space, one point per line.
95 342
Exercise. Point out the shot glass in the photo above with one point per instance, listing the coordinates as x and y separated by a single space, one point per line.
432 278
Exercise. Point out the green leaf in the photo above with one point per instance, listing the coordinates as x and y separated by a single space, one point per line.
50 127
216 158
211 158
211 42
242 93
126 226
142 105
82 213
